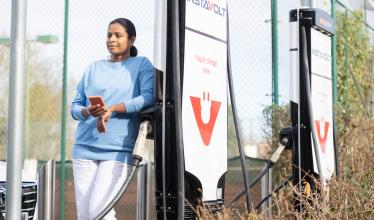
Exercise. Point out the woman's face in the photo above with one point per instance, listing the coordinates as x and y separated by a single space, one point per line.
118 41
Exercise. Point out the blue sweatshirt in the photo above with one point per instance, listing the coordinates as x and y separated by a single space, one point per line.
129 82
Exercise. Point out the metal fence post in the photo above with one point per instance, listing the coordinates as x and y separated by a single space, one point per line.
266 188
333 52
46 191
16 109
63 113
274 50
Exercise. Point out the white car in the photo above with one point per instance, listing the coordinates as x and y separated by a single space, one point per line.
29 187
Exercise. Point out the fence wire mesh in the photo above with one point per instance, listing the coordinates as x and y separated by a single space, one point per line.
250 49
43 73
250 42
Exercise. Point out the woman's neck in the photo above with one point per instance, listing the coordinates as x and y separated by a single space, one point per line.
117 58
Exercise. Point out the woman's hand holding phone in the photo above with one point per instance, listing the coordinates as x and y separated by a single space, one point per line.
97 107
96 110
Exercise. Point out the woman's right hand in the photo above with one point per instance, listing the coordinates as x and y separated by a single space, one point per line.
94 110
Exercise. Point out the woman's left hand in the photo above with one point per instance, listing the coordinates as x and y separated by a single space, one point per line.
103 119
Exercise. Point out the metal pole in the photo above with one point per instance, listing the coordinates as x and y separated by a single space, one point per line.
274 49
149 190
144 191
177 91
141 203
270 191
63 113
15 110
46 191
265 189
333 52
335 86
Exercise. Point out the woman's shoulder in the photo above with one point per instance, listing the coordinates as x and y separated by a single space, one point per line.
141 62
99 62
96 63
141 59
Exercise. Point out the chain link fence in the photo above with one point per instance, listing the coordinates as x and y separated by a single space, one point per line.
42 105
251 62
250 43
251 49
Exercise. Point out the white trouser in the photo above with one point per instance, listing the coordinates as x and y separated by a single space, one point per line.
96 183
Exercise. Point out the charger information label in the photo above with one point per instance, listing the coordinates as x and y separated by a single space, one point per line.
322 101
204 101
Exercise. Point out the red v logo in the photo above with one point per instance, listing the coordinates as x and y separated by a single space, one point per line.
322 140
205 126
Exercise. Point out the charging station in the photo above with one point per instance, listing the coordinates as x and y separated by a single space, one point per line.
311 96
204 103
190 120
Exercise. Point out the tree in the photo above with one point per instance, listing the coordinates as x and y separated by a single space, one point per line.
276 118
42 103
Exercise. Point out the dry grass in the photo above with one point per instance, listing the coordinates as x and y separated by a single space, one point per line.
349 196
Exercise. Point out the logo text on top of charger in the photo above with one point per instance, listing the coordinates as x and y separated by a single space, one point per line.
321 54
210 6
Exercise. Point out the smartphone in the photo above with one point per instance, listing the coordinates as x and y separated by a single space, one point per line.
96 100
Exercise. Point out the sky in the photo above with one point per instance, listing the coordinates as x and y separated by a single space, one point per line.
250 35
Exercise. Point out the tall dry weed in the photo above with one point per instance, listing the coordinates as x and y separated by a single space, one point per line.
348 196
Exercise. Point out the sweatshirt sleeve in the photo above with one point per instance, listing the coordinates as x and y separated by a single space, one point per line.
146 72
79 102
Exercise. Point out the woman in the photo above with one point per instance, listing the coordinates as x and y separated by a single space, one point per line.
106 135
